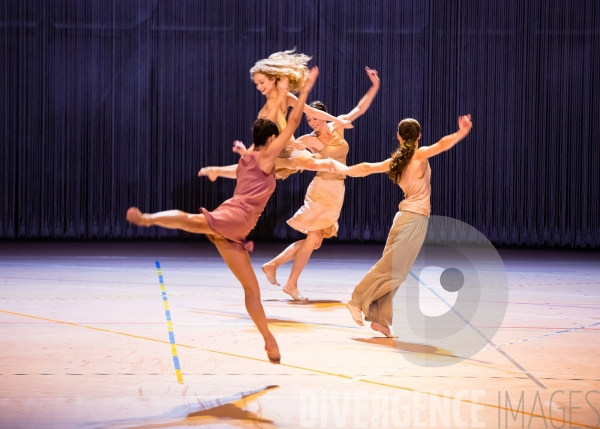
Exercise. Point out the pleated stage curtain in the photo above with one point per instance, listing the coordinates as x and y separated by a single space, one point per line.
107 104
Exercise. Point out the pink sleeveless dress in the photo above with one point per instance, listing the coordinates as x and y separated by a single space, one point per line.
237 216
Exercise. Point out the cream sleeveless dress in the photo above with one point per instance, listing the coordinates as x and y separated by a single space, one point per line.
325 194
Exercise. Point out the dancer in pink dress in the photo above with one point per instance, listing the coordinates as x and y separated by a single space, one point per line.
229 224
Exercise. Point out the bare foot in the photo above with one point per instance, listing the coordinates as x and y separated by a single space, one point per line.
294 293
208 172
135 216
356 313
385 330
273 351
270 271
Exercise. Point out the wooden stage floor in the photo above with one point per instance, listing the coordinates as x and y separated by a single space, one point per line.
85 343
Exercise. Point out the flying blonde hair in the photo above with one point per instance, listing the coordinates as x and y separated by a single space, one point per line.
286 63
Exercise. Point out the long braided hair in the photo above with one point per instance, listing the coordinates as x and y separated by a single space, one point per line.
409 131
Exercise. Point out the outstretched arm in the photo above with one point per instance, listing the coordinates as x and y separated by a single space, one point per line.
310 142
310 163
365 102
228 172
270 153
319 114
447 142
362 169
332 166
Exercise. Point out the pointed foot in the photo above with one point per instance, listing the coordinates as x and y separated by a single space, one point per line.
273 352
356 314
385 330
270 271
294 293
136 217
208 172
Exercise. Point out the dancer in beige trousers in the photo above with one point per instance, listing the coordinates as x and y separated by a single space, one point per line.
409 168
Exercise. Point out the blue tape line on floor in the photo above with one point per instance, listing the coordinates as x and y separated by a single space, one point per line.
176 362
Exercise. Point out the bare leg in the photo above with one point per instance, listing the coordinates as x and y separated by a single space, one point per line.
270 268
212 173
313 241
239 264
172 219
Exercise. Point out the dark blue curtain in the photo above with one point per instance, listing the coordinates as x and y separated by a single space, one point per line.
105 104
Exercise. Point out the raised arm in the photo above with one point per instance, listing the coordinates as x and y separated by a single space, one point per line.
446 142
319 114
240 148
365 102
272 150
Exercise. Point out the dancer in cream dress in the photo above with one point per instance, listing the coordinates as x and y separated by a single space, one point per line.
318 217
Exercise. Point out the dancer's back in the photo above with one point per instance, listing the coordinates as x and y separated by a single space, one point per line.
417 191
237 216
254 186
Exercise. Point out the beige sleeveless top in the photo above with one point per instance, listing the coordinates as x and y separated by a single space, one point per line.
337 149
281 123
417 192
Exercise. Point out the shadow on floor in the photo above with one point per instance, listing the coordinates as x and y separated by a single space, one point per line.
275 323
230 410
403 347
315 305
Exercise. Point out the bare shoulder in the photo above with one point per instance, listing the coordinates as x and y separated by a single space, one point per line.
264 161
421 154
418 167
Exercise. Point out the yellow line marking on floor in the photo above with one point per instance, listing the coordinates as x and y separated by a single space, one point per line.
318 371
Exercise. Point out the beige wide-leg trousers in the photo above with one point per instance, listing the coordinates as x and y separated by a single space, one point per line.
375 292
